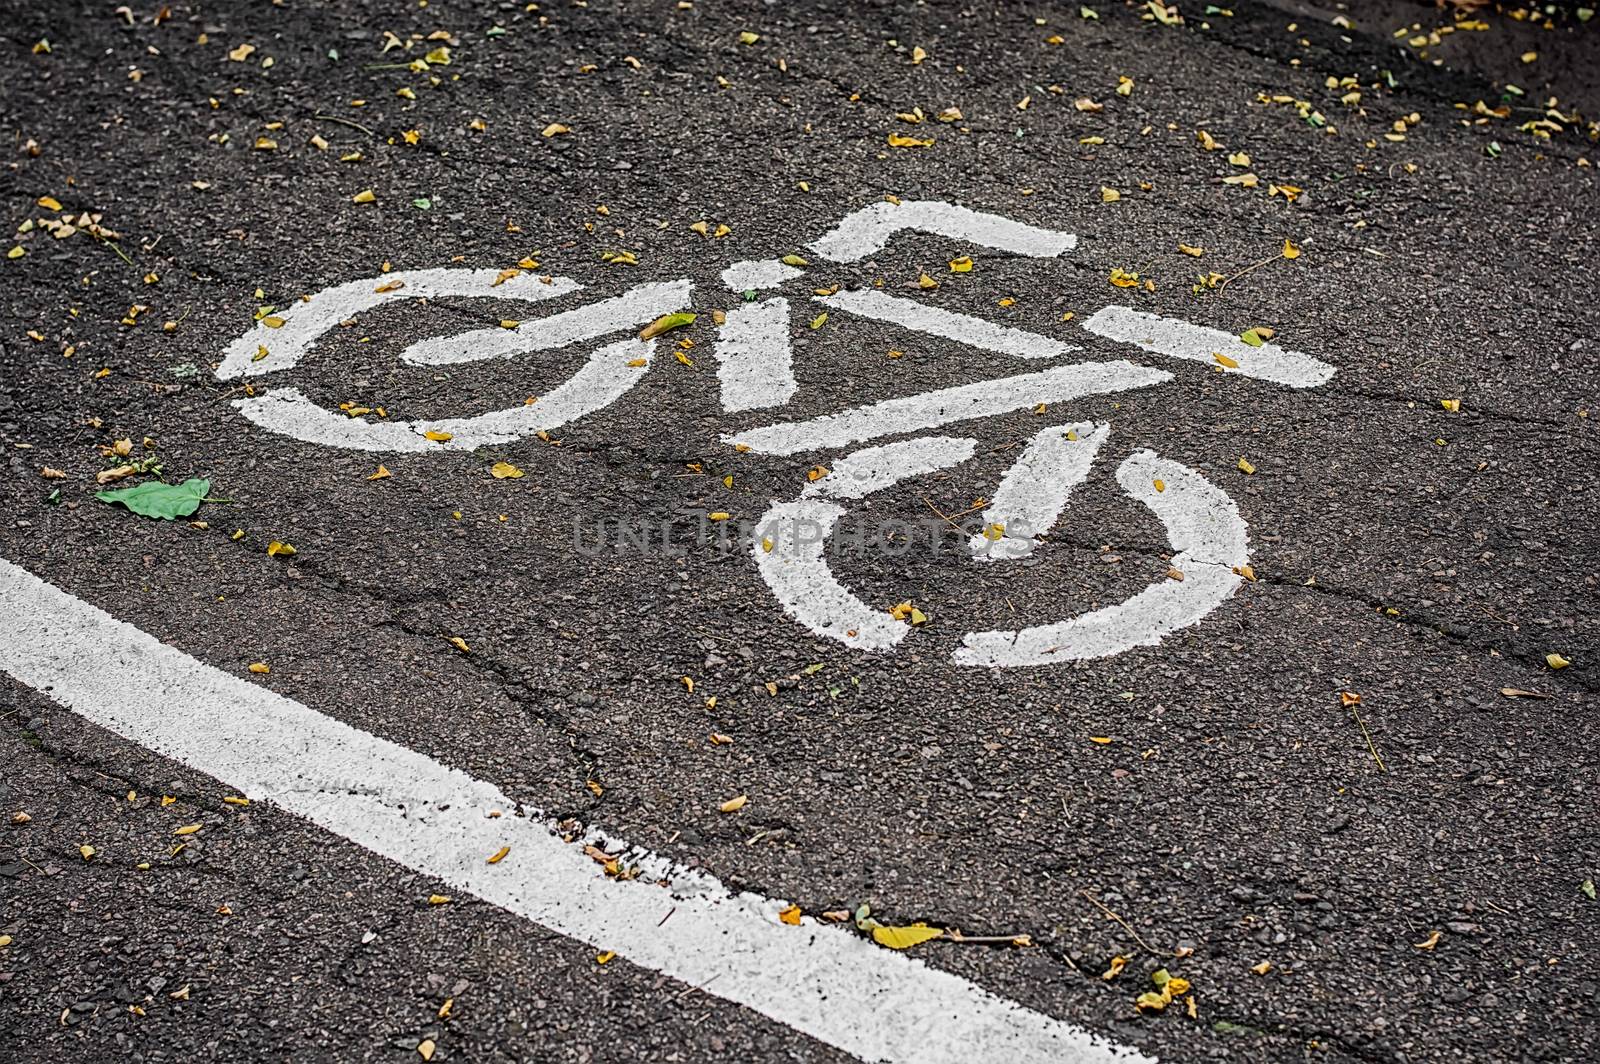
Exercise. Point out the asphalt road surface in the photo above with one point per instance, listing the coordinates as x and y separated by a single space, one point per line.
1213 678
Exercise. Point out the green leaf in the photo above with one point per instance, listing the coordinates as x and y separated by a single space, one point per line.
667 321
1088 12
422 203
1251 337
1588 888
154 499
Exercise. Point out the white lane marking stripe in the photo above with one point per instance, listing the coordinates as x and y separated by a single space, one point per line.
758 274
1203 525
1176 338
867 230
1034 491
757 365
599 381
636 307
434 819
306 320
963 328
871 469
946 405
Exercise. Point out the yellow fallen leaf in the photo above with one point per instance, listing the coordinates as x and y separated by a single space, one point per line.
1124 278
790 916
86 851
905 937
1452 405
1245 466
49 203
717 515
1430 942
259 667
925 281
1152 1002
1206 140
1190 249
498 855
425 1049
1556 661
733 805
666 322
460 644
505 471
438 437
961 265
1101 739
688 682
1263 968
1225 360
897 140
1290 250
1109 195
438 899
820 320
382 474
1249 180
188 829
1159 484
554 129
1118 963
276 549
366 195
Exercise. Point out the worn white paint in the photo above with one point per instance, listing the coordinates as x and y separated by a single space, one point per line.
756 275
630 311
872 469
1036 488
866 231
442 823
1204 527
790 541
947 405
1176 338
306 320
962 328
752 346
601 380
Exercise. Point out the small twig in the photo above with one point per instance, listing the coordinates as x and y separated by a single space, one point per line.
1368 735
942 515
686 991
989 940
1253 266
344 122
1119 920
123 255
667 917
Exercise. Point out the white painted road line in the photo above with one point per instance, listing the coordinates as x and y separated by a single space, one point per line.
1177 338
637 307
610 371
947 405
1203 526
1036 488
757 365
963 328
435 820
288 333
868 230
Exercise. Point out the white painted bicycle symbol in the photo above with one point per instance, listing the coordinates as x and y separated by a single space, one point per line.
755 371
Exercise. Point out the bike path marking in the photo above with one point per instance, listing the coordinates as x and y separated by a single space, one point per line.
436 820
1176 338
946 405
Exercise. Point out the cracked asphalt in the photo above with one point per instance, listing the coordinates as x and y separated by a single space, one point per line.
1428 559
